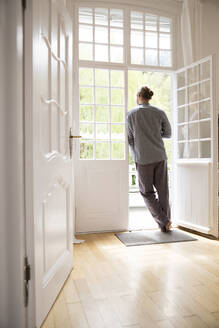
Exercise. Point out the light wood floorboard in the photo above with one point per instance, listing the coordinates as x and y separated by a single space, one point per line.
172 285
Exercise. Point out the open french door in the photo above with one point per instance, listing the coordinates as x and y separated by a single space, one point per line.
196 149
49 163
102 154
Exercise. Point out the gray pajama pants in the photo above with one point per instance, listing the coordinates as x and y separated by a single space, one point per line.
153 186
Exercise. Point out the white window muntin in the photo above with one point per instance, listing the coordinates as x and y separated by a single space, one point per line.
156 32
195 131
127 32
110 125
106 43
127 63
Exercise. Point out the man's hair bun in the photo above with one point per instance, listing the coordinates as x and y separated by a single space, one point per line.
145 93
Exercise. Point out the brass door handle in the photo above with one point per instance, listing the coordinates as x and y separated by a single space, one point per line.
71 141
74 137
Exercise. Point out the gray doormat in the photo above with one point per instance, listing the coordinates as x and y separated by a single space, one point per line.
148 237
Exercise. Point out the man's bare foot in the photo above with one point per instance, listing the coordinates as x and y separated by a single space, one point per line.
167 228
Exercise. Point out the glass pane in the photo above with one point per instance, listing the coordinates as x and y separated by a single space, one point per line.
181 97
183 150
87 130
86 95
205 70
101 34
193 112
117 114
117 97
137 56
102 113
102 77
86 76
137 38
86 150
181 80
205 109
182 115
183 132
193 149
193 75
165 24
116 17
86 113
102 131
118 150
101 53
193 93
151 22
205 149
117 132
101 16
205 129
151 40
165 41
151 57
117 78
85 15
102 96
137 20
116 54
165 58
85 51
85 33
193 131
116 36
205 90
102 150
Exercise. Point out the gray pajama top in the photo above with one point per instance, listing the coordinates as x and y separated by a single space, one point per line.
146 126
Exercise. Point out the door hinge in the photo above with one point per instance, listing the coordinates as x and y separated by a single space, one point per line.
24 4
26 281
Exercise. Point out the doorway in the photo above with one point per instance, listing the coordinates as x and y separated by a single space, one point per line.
160 83
106 175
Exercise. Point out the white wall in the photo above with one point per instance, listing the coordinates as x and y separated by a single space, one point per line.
3 210
171 6
204 29
210 38
11 167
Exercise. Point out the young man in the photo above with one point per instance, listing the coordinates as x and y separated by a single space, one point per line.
147 125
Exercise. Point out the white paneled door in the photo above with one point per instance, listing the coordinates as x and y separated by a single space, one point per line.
52 163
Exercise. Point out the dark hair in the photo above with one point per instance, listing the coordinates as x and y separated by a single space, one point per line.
145 93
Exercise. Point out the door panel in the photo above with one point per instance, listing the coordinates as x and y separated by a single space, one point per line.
102 196
53 171
194 209
55 224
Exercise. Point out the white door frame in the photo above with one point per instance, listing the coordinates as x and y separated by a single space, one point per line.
29 159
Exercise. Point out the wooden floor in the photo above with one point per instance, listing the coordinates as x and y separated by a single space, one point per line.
162 286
